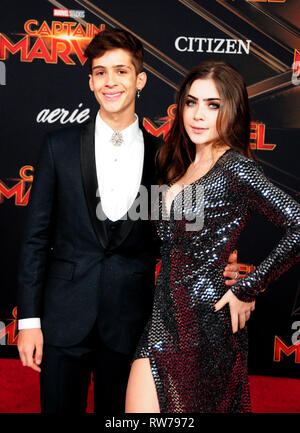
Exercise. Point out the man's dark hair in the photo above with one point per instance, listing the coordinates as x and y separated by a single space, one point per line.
112 39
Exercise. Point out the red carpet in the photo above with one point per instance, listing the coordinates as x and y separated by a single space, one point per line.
19 391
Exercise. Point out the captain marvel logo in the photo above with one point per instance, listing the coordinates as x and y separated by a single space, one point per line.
9 330
296 69
163 126
281 348
50 42
20 191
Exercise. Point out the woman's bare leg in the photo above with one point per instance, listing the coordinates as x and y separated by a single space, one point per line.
141 396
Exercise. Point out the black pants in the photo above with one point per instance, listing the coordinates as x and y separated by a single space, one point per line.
66 374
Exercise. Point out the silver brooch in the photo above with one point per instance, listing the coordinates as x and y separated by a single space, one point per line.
117 138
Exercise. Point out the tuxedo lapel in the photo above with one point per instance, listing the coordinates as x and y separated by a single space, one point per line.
150 147
149 168
90 183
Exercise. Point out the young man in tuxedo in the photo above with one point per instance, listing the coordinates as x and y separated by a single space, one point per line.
86 283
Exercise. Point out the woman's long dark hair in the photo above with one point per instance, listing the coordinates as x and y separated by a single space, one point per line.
233 122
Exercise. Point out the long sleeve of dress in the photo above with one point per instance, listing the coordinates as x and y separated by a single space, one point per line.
250 183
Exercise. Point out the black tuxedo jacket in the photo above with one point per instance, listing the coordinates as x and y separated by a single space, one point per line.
72 272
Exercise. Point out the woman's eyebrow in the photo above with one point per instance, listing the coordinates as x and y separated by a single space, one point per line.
205 99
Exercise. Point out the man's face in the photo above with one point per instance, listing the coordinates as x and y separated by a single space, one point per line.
114 83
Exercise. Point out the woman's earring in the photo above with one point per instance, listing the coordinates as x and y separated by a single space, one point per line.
138 93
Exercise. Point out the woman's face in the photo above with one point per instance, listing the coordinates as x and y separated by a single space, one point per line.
201 108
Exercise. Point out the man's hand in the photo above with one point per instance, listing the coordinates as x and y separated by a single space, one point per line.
239 311
30 346
232 270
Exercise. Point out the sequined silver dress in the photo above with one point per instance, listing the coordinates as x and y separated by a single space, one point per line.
198 364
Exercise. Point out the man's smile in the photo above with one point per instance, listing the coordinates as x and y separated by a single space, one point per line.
111 96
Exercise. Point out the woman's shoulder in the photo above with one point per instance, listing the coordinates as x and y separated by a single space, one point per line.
233 158
239 165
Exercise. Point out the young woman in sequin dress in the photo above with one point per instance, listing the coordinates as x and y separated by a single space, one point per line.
192 356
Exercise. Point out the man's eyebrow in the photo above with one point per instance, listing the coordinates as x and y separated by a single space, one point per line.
122 66
114 67
206 99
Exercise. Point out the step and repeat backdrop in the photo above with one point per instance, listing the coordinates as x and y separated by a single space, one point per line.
44 86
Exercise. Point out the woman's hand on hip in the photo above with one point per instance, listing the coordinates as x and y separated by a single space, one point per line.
239 311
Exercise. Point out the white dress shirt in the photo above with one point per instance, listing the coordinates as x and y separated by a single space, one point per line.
119 168
119 173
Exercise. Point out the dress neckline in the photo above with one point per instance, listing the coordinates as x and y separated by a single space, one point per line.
200 178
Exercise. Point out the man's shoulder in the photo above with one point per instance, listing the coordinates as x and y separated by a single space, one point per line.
151 140
70 133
